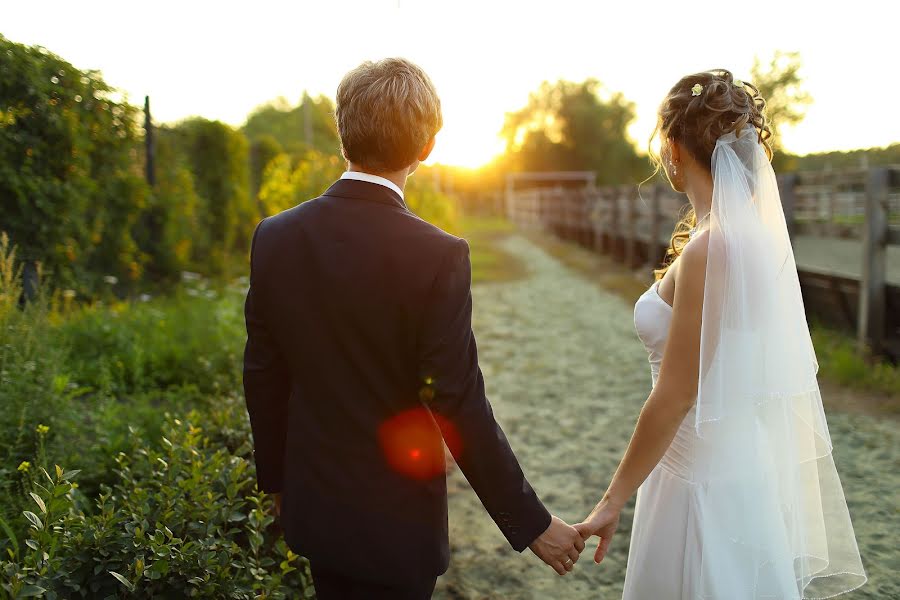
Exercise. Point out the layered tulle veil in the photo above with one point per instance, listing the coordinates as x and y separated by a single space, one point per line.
771 512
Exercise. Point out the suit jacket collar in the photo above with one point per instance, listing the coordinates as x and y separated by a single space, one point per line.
363 190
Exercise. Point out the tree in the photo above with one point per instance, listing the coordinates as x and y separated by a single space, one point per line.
170 227
218 158
262 150
298 129
70 195
571 126
287 183
780 83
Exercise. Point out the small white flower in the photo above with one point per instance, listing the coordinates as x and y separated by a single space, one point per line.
111 279
738 83
695 91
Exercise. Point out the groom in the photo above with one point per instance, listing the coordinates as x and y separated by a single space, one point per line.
361 363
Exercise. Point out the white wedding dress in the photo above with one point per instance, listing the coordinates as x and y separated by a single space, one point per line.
666 560
663 537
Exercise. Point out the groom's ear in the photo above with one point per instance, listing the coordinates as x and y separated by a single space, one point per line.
426 151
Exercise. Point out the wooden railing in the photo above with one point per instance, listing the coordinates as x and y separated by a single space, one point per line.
828 208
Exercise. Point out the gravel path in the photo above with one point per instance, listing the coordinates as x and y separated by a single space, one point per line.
567 377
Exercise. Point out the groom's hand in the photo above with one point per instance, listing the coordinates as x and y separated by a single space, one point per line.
559 546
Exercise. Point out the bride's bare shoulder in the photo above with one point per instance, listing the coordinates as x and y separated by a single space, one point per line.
692 262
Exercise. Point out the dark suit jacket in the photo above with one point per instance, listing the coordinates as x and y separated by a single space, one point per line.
360 358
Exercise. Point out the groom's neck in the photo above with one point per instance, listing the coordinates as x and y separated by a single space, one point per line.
396 177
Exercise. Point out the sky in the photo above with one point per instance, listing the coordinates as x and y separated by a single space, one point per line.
221 59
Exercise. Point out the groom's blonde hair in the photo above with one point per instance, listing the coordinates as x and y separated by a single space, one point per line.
387 112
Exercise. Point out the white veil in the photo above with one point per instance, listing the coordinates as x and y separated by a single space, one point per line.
771 511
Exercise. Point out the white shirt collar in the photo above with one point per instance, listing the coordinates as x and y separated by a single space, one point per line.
359 176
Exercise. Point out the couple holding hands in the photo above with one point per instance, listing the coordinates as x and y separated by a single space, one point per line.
361 365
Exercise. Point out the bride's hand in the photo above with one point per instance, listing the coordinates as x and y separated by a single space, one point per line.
602 522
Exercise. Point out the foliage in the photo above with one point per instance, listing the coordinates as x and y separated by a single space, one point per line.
287 183
169 505
172 221
69 194
779 81
297 129
90 372
840 361
425 200
574 126
218 157
182 521
173 341
262 151
849 159
73 197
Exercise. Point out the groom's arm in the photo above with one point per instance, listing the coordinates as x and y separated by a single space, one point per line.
449 361
266 388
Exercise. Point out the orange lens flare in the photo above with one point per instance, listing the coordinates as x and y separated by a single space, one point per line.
413 443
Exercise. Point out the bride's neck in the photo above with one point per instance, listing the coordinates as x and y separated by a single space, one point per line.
699 191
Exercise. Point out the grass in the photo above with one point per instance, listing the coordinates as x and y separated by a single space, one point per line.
840 363
140 402
490 263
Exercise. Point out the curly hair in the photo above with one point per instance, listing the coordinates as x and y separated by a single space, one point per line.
698 120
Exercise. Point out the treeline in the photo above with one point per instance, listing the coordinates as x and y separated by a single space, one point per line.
75 199
848 159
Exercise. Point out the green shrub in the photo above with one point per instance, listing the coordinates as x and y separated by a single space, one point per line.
183 521
192 338
840 361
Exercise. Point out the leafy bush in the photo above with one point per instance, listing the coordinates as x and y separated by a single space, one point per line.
840 360
192 338
183 521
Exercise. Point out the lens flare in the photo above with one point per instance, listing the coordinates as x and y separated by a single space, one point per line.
413 443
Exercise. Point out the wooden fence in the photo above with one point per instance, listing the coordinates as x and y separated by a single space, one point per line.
634 226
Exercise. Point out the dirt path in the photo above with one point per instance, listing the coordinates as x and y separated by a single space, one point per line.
567 377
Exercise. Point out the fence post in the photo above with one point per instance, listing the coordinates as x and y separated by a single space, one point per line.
631 240
787 185
150 144
872 286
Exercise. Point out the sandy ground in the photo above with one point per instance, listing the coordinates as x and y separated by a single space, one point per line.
567 377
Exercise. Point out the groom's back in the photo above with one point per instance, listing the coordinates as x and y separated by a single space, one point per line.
341 283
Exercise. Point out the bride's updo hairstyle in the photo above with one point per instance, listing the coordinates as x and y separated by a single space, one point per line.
696 112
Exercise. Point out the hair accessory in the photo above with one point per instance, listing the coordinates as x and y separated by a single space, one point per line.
695 91
738 83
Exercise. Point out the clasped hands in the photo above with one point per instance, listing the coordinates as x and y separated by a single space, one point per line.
561 544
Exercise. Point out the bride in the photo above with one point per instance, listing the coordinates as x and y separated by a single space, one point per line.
739 497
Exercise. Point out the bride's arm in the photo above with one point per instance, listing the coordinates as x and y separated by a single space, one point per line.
671 399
